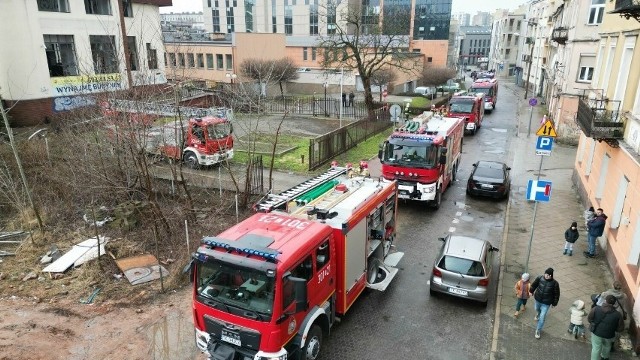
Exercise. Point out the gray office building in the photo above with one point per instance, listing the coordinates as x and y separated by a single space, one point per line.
475 43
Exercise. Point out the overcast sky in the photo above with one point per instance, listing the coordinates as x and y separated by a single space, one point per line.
470 6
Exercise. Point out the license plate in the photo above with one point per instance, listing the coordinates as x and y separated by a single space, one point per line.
486 186
231 338
458 291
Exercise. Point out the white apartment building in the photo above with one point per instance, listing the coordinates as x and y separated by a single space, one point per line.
537 29
60 53
506 42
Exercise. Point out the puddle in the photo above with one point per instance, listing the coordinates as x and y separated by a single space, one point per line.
172 337
500 130
466 218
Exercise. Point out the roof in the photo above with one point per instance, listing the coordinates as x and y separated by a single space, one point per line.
426 126
465 247
491 164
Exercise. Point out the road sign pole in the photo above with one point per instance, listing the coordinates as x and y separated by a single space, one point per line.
533 223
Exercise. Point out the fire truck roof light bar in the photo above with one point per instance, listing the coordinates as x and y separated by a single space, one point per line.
265 253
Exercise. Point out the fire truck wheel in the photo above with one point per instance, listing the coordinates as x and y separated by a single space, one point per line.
438 199
314 342
191 160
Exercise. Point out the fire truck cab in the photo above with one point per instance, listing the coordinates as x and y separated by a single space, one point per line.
423 156
470 107
272 286
488 87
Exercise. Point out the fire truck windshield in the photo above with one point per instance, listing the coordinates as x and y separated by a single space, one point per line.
410 153
461 107
219 131
238 290
486 91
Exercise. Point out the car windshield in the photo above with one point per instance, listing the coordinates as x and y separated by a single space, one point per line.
235 289
461 107
219 131
410 153
461 266
486 91
489 172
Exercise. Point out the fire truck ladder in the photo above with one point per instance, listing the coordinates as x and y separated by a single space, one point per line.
273 201
161 109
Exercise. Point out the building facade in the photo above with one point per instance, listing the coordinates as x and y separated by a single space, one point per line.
64 52
475 43
506 42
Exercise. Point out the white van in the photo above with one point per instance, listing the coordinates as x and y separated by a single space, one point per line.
428 91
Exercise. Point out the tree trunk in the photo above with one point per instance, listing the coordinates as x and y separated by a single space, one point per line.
368 96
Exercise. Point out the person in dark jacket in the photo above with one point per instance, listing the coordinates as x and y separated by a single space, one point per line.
546 293
570 237
595 229
605 321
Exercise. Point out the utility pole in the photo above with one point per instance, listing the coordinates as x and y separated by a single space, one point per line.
526 89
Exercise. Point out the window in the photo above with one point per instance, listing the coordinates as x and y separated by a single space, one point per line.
126 7
322 255
216 20
97 7
313 19
586 74
596 11
248 14
304 270
61 55
103 52
152 57
181 61
592 152
53 5
200 58
314 53
231 27
604 168
209 61
229 61
219 62
133 53
288 20
429 59
625 66
621 196
172 59
304 54
507 52
599 62
610 57
191 60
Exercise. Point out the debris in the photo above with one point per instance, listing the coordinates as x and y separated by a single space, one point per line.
30 276
56 276
141 269
139 311
168 261
3 276
118 276
79 254
91 297
103 216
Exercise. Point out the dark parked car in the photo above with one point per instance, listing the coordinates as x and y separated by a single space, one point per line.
489 178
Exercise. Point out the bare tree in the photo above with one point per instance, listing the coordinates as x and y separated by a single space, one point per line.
382 78
267 71
362 42
435 76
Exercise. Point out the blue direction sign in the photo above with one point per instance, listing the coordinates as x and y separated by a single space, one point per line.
533 101
543 145
539 190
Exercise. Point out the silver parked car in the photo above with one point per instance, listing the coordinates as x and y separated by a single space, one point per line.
463 268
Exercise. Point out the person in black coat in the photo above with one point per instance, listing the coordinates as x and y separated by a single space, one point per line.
605 321
546 293
344 99
570 237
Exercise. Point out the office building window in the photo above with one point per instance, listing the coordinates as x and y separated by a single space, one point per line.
209 61
61 55
248 14
152 57
133 53
231 26
53 5
274 22
103 52
331 18
313 19
200 58
215 13
596 11
304 54
97 7
219 62
229 61
288 20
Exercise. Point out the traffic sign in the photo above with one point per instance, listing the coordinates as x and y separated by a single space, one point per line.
395 111
543 145
533 101
539 190
547 129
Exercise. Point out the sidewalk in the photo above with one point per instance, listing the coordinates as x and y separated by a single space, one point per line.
578 276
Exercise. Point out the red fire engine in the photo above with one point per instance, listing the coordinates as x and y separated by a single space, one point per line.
488 87
423 156
272 286
470 107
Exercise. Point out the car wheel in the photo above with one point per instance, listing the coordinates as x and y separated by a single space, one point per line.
484 303
191 160
314 343
431 292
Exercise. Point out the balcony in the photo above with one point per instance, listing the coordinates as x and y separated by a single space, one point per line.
627 9
600 119
560 35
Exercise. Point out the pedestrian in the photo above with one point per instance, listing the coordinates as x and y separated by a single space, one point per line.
589 214
621 299
570 237
522 293
546 293
351 96
595 229
576 325
605 321
344 99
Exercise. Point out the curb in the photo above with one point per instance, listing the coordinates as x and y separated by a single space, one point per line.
503 256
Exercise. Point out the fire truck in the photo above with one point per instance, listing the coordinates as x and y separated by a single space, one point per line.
197 141
470 107
423 156
272 286
488 87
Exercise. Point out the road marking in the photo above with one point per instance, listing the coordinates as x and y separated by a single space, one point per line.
452 229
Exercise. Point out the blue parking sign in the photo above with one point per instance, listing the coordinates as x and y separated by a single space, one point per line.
544 145
539 190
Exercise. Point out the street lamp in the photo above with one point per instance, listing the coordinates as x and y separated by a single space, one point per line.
231 76
325 85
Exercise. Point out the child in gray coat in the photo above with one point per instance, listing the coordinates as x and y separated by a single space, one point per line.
576 324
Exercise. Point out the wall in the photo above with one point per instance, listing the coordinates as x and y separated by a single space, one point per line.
434 49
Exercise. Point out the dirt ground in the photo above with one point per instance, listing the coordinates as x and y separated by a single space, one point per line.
160 329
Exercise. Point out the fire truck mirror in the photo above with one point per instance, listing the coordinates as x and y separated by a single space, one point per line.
189 269
443 156
300 291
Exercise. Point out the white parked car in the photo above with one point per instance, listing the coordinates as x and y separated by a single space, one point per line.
427 91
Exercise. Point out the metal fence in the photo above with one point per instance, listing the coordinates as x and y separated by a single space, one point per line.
326 147
319 106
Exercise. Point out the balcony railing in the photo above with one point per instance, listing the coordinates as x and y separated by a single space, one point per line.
600 119
560 35
627 9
